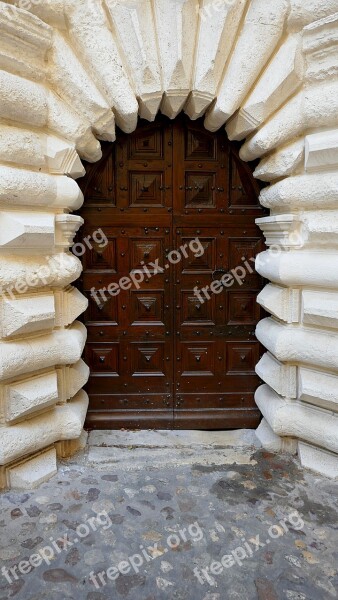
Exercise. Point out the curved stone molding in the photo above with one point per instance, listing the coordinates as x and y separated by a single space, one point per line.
282 378
285 161
299 345
73 378
26 315
260 34
302 192
41 468
32 231
321 151
50 11
62 347
282 302
69 77
319 389
69 304
176 24
38 189
134 26
315 106
62 423
40 152
214 44
29 396
308 268
17 272
295 420
278 82
93 41
68 70
303 13
320 308
30 103
25 42
25 396
40 311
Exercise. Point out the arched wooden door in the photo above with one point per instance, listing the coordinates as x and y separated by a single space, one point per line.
160 354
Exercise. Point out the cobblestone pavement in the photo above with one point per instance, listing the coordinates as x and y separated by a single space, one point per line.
265 530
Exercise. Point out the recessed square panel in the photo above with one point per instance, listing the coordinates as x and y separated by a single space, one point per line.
242 308
200 145
246 248
194 311
147 308
100 182
196 262
242 188
147 189
146 144
102 308
242 357
143 252
200 190
101 256
198 359
147 359
104 358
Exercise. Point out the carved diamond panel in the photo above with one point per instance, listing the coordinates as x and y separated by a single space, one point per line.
200 145
242 357
147 189
104 358
247 248
197 264
102 310
242 191
143 252
147 359
243 308
147 307
193 311
200 190
147 144
100 179
101 257
198 359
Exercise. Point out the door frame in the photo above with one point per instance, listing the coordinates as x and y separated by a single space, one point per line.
151 220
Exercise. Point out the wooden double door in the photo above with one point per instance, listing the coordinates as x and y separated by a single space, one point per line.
161 355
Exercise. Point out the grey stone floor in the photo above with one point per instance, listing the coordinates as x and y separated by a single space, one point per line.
183 520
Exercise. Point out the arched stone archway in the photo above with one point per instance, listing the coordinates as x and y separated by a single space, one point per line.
69 69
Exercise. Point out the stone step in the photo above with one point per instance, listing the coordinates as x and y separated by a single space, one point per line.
136 450
155 458
173 439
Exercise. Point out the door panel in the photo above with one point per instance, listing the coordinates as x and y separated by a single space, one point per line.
144 171
216 350
131 365
161 354
200 173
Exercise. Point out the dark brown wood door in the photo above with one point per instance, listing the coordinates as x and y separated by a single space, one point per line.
166 352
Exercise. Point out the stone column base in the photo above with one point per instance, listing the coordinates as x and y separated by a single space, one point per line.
273 442
37 468
318 460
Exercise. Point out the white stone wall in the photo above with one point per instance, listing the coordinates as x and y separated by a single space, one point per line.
70 69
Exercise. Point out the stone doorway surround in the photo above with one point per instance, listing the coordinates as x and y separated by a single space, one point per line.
69 69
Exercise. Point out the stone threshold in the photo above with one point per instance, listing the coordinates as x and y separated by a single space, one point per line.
133 450
152 438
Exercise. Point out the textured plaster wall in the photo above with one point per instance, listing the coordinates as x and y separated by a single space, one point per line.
70 70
